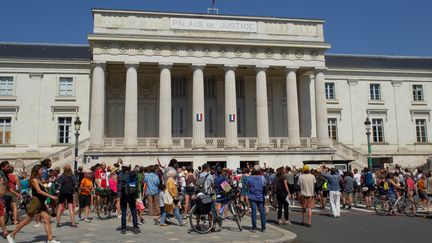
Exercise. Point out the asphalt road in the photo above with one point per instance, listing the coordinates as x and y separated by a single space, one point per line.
358 226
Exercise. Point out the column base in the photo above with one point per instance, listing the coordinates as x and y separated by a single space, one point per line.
130 148
263 147
199 148
295 147
231 148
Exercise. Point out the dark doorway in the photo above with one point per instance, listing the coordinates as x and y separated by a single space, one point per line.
248 164
214 164
184 164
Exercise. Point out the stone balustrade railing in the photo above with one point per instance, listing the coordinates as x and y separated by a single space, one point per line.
212 144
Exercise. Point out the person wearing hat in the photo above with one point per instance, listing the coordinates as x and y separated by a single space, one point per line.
307 182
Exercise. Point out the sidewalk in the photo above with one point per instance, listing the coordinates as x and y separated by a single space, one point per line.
107 231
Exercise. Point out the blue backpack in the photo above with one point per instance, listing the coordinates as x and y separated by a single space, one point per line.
369 180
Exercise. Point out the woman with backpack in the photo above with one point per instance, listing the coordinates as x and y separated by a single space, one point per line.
283 196
67 183
244 192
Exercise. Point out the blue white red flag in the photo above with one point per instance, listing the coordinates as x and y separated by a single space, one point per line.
199 117
232 117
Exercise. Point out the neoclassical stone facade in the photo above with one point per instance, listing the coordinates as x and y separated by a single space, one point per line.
215 88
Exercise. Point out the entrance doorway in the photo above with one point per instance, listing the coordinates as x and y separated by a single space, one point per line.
248 164
214 164
184 164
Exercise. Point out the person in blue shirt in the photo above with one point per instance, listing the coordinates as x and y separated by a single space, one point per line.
220 195
333 184
256 198
152 181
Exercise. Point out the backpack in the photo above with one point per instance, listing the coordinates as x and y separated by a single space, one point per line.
386 186
67 185
369 180
129 184
200 184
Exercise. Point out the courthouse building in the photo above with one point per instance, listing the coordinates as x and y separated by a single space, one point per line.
211 88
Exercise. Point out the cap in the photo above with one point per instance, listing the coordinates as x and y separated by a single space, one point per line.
306 168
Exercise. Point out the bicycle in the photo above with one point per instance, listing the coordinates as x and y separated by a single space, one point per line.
106 205
383 205
205 221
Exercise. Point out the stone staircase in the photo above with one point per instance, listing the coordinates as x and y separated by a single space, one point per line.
67 155
360 160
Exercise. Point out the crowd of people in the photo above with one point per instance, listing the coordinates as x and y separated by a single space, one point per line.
168 191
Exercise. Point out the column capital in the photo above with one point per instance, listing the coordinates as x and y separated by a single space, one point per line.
198 66
319 70
259 68
230 67
131 65
163 65
291 69
101 64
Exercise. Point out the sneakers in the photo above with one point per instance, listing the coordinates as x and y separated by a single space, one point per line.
10 239
136 230
37 225
53 241
87 220
123 231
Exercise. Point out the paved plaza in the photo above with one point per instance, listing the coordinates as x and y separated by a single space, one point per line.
108 231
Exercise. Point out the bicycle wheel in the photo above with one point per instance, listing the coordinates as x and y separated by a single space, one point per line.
382 207
237 218
102 210
241 208
201 223
410 208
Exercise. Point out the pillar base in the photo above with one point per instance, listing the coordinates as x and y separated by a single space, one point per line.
199 148
231 148
130 148
263 147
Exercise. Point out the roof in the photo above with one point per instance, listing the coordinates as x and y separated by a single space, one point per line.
83 53
386 62
45 51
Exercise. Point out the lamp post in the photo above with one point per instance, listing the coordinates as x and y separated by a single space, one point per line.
77 124
367 124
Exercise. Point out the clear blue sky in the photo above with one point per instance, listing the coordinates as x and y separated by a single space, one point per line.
391 27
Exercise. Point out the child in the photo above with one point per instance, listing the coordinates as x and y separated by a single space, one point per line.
86 187
162 188
3 210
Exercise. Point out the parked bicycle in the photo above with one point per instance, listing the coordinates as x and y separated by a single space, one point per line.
204 217
106 205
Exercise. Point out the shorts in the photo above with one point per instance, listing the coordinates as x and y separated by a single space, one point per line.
368 193
325 193
307 202
422 195
349 194
153 204
10 197
84 201
36 206
65 198
190 191
291 188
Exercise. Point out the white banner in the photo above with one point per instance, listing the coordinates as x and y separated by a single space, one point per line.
213 25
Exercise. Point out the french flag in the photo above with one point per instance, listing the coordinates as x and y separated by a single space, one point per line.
232 117
199 117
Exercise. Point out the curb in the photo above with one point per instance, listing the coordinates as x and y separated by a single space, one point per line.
287 237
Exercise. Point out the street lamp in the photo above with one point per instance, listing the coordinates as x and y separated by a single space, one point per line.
77 124
367 124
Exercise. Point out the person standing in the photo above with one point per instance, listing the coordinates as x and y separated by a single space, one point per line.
306 182
37 205
85 190
334 180
152 193
189 189
283 195
348 190
256 185
127 192
67 183
171 199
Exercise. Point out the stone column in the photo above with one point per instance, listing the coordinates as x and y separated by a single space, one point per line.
131 107
97 113
165 125
231 141
262 108
292 109
321 110
198 120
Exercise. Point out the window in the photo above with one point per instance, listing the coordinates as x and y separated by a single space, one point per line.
64 130
377 130
5 130
66 86
421 130
6 86
179 87
330 91
418 92
332 128
375 93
